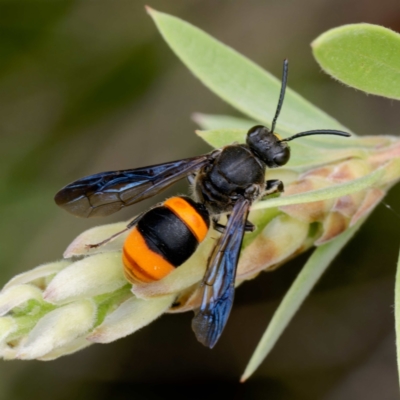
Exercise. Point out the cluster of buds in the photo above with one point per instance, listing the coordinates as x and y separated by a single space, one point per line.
61 307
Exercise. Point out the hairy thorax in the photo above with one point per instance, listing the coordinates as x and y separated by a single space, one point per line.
234 173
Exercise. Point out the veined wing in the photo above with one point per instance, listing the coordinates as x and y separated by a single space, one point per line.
219 282
105 193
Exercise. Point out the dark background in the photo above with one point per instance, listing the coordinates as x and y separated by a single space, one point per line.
87 86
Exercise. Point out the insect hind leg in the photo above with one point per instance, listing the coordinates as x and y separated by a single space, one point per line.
249 227
112 237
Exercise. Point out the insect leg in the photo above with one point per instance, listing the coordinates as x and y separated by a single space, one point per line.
112 237
249 227
191 179
273 186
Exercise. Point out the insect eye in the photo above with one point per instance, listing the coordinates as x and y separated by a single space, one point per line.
282 157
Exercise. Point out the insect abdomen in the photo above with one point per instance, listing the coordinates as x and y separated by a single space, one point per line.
164 238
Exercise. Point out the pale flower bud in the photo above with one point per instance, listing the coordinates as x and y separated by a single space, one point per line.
17 295
92 276
58 328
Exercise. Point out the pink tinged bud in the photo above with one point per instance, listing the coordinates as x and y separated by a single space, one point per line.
308 212
336 215
322 172
349 170
372 198
392 172
79 245
348 205
347 211
279 240
334 224
130 316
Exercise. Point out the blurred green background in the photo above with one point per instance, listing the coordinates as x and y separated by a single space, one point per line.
87 86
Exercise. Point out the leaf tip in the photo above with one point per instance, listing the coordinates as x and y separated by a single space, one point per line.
199 132
314 43
197 117
150 10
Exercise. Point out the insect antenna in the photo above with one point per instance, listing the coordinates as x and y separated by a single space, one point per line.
282 94
316 132
278 110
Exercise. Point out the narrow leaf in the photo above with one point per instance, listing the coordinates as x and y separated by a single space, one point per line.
301 287
331 192
236 79
210 121
364 56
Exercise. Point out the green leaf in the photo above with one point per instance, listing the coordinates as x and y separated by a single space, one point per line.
364 56
301 287
397 313
238 80
209 122
331 192
305 153
223 136
216 126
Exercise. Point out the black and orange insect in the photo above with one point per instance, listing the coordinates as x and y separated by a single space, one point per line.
228 180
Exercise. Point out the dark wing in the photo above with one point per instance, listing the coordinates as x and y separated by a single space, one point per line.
219 281
107 192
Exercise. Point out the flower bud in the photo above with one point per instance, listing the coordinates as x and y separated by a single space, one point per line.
38 276
58 328
81 244
18 295
130 316
7 326
92 276
278 241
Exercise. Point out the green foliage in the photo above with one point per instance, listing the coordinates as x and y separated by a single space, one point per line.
301 287
237 80
364 56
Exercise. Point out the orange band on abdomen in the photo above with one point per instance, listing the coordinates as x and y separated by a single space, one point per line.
193 220
140 262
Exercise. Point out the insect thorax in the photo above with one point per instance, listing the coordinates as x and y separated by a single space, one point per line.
235 172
